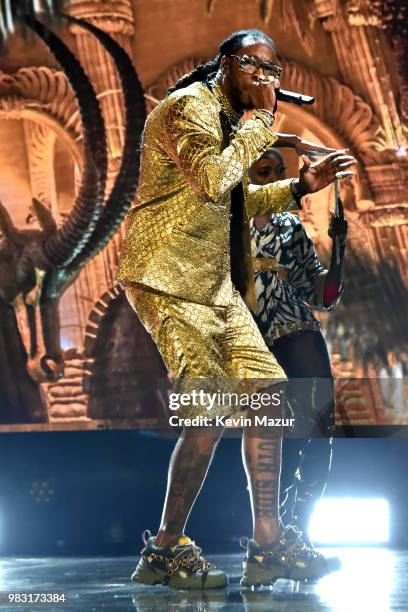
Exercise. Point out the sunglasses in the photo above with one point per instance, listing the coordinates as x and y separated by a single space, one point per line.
251 65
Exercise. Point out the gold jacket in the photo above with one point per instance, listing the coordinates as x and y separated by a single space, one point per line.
177 235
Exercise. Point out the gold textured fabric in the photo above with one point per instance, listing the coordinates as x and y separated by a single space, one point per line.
177 236
216 349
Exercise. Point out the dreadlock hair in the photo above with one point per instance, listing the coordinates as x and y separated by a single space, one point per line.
230 45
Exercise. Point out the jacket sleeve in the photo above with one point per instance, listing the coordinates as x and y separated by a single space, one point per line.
193 139
274 197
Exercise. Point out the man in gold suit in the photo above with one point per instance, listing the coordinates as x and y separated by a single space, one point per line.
186 268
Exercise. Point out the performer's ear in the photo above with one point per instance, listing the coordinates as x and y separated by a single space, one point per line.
224 65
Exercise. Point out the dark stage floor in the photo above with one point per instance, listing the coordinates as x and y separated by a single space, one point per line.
372 579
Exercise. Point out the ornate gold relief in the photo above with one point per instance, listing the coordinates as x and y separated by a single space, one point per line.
31 92
40 143
387 216
336 105
291 15
113 16
157 90
331 14
363 13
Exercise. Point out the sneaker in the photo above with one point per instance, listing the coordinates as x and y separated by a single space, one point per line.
180 566
308 564
263 565
288 558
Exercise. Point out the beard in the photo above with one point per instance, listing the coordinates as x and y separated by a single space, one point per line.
238 99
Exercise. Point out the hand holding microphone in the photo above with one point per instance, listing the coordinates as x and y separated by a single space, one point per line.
263 94
264 100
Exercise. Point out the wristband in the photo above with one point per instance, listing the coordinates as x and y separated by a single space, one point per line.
295 189
265 116
297 196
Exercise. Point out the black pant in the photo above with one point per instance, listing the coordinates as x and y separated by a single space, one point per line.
306 459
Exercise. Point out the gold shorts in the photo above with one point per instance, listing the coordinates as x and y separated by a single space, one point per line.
221 344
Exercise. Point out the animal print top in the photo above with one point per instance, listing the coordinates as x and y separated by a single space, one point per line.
286 303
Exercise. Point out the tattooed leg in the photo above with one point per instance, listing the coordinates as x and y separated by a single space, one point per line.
261 454
188 468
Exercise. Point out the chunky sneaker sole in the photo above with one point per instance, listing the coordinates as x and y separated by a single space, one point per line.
288 558
146 574
179 566
256 575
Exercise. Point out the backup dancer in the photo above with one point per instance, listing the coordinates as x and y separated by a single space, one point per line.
290 282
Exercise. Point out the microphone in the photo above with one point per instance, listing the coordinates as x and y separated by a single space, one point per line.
294 98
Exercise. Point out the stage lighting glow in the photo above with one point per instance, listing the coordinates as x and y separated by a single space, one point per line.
342 591
350 521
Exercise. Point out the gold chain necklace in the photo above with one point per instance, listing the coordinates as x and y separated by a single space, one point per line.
232 114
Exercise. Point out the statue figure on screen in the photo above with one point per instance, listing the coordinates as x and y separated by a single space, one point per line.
36 266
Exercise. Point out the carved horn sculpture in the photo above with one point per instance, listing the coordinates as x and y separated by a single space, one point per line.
124 188
36 266
64 245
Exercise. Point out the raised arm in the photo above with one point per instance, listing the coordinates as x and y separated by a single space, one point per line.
302 147
193 140
313 176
